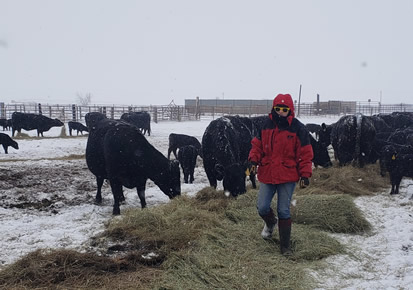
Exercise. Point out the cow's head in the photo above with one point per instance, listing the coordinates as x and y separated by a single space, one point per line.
14 144
57 123
172 186
324 135
234 179
93 118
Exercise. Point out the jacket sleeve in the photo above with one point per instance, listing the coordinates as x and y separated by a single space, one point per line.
256 150
305 154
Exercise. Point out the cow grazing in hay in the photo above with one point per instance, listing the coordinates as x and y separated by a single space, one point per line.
117 151
225 146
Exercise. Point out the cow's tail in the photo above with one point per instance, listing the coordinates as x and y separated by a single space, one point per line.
359 120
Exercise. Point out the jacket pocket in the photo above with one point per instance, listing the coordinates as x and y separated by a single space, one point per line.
289 163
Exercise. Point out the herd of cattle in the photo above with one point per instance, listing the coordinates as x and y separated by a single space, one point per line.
118 151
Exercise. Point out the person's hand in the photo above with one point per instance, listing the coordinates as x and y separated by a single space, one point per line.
304 182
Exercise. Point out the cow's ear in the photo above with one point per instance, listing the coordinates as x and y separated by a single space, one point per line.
323 126
219 169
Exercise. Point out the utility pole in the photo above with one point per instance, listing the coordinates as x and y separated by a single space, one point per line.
299 102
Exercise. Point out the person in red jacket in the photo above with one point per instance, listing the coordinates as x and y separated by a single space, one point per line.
282 153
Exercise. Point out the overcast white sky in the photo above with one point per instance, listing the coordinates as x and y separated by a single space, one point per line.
152 52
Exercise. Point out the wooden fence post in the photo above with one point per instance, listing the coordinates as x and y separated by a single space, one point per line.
155 114
73 112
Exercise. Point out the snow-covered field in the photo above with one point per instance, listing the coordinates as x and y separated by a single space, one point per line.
47 202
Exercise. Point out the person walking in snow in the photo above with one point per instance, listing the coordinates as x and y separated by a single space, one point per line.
282 153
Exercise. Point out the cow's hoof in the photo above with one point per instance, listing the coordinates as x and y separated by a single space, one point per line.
98 201
116 211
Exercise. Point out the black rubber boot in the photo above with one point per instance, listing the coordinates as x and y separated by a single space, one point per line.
284 228
270 222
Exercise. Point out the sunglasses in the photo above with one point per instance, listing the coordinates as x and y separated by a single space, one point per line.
284 109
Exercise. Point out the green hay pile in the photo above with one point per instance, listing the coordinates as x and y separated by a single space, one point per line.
335 213
346 180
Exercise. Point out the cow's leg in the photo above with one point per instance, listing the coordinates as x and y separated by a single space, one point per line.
212 180
252 178
117 192
169 153
397 188
186 175
191 174
5 148
99 182
70 131
122 196
141 193
12 131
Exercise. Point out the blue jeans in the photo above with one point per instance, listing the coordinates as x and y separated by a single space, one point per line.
284 194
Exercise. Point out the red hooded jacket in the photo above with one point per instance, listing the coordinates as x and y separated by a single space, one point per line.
283 155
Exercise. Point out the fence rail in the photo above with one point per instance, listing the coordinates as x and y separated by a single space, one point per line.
182 113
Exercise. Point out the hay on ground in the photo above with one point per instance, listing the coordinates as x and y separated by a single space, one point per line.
346 180
335 213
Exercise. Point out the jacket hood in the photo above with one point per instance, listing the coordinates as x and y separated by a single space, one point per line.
285 99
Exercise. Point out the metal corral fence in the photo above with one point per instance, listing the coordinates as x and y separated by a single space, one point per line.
74 112
259 107
194 109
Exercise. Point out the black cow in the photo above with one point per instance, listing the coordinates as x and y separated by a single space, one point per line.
324 135
225 146
180 140
352 138
119 152
9 123
402 136
387 153
313 128
379 124
29 122
3 123
187 158
77 126
321 157
397 120
6 141
259 122
398 166
92 119
142 120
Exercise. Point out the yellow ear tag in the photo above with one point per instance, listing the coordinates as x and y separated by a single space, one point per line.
247 172
393 157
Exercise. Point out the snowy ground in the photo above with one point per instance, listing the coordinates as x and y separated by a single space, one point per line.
48 203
